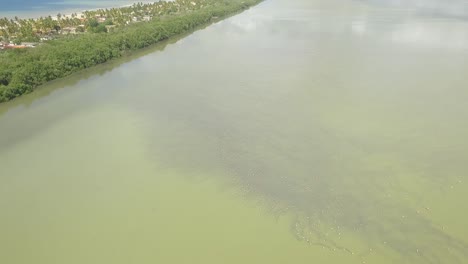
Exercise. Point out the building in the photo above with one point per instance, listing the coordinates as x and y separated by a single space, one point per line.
29 44
101 19
46 38
13 46
69 30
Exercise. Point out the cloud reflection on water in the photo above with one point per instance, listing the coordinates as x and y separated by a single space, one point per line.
423 24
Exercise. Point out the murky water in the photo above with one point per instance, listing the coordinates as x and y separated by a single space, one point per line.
299 131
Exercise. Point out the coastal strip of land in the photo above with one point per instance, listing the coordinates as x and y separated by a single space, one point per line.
36 51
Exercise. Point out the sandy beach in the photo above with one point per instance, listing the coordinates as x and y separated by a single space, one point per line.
66 8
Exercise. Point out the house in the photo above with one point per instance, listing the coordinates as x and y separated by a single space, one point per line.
13 46
29 44
101 19
69 30
46 38
80 29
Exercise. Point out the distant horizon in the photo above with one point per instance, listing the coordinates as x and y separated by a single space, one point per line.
36 8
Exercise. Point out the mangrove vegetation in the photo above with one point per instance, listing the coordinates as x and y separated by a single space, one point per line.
106 34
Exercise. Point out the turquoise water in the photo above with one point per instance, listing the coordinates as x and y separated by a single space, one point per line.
37 8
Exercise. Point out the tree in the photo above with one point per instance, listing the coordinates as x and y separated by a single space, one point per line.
101 28
23 70
92 23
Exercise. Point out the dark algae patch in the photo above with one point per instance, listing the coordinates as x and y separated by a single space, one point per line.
300 131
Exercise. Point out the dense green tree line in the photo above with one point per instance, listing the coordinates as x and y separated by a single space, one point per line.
23 70
19 30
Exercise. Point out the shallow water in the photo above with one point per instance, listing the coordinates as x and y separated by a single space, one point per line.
328 131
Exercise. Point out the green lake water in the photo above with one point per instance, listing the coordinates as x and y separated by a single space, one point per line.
306 131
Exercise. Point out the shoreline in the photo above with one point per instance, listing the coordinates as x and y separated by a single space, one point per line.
23 72
66 12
